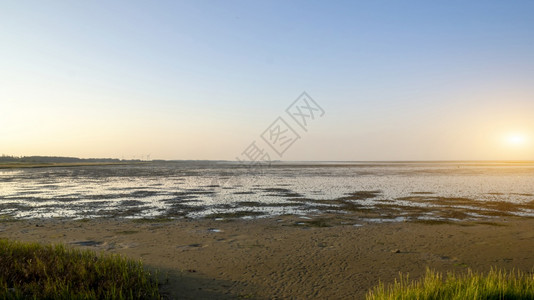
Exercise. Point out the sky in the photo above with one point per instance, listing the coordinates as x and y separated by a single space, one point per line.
396 80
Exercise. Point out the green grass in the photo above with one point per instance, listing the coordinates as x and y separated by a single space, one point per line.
34 271
497 284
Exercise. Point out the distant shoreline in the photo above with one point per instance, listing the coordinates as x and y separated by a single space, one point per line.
277 164
18 165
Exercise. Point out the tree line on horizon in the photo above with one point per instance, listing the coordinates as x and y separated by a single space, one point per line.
54 159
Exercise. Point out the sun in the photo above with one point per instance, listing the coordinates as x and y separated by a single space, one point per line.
516 139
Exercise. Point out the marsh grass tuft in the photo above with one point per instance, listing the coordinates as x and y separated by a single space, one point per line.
34 271
497 284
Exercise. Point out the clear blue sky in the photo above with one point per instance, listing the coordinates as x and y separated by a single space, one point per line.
398 80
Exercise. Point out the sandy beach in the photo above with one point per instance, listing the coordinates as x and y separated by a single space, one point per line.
281 258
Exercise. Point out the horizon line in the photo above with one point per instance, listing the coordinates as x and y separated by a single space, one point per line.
284 161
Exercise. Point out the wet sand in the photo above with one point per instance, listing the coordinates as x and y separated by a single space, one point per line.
277 259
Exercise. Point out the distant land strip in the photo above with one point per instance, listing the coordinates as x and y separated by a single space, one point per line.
48 165
9 162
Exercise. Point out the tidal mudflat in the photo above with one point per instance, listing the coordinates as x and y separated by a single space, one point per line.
357 193
217 230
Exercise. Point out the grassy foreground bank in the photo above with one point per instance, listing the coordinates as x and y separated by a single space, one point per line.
497 284
31 270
